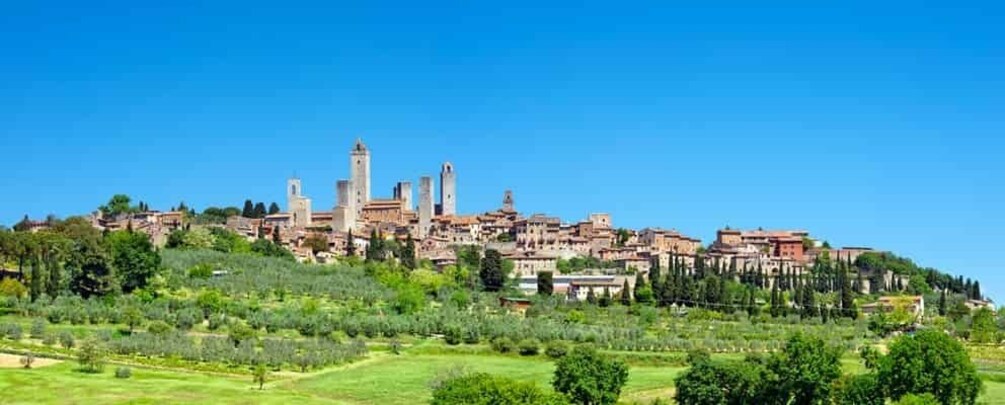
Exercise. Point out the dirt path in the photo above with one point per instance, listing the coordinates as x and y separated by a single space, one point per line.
14 361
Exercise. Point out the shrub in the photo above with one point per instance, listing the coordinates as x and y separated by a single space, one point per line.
930 362
915 399
557 349
452 335
483 389
13 331
240 332
66 340
10 287
91 357
503 344
159 328
529 347
38 328
216 321
200 271
50 339
123 373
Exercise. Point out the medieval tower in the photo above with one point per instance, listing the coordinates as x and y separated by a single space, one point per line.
359 175
344 214
403 193
448 190
297 206
425 205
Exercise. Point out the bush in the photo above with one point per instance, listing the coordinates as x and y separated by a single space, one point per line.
915 399
38 328
91 357
529 347
66 340
200 271
930 362
452 335
485 389
557 349
503 344
216 321
50 339
13 331
10 287
159 328
123 373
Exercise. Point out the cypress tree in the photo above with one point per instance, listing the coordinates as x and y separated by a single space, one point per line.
491 272
942 303
626 295
350 245
591 297
274 209
259 210
546 284
249 209
408 253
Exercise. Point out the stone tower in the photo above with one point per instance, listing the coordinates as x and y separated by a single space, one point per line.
403 193
425 205
359 175
448 190
293 192
508 201
344 214
297 206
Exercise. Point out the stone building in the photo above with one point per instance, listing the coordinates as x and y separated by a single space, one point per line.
526 264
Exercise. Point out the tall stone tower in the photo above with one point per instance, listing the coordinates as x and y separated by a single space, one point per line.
359 174
403 193
508 201
448 190
344 214
425 205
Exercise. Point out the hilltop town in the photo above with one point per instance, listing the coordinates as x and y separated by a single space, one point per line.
588 256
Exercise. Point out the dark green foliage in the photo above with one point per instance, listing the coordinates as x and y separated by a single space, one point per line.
625 296
486 389
375 249
91 274
858 390
930 362
134 259
274 209
590 378
545 283
269 248
805 370
408 253
491 273
710 382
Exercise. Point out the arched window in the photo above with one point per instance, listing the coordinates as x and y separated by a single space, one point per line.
293 189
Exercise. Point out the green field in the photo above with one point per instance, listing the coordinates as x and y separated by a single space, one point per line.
381 379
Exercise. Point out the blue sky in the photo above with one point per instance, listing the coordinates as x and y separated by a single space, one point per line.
867 123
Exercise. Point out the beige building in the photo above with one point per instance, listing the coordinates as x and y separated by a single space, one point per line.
527 264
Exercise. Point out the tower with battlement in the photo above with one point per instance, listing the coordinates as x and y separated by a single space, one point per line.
359 175
403 193
344 214
448 190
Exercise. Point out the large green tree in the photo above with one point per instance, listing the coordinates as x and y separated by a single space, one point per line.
90 270
590 378
133 258
545 283
932 362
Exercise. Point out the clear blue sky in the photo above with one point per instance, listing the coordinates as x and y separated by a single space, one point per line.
867 123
